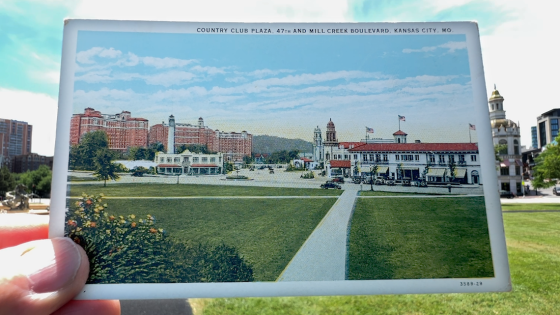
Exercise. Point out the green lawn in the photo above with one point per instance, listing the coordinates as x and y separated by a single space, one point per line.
530 206
391 193
534 255
174 190
266 232
419 238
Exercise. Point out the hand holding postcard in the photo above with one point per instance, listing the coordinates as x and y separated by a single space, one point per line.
230 159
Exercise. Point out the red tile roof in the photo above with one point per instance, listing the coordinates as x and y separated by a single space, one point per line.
347 145
340 163
399 133
204 165
426 147
306 159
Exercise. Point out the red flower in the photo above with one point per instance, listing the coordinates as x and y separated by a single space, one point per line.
92 224
133 224
89 202
152 230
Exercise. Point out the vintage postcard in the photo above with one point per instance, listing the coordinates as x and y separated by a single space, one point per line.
234 159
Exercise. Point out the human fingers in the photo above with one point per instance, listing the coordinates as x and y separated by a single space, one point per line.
41 276
18 228
105 307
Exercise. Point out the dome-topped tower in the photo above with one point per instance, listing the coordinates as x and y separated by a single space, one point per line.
506 134
331 134
496 103
317 145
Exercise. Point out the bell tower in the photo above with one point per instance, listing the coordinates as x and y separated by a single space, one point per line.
496 103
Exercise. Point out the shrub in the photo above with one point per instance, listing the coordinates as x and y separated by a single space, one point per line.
308 175
134 250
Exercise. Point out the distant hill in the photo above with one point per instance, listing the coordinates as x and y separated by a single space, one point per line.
269 144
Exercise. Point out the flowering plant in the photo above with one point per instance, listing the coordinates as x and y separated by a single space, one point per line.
131 249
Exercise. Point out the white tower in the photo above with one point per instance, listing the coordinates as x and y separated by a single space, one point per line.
171 136
317 145
506 133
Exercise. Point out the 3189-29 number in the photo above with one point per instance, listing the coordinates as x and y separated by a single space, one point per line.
471 284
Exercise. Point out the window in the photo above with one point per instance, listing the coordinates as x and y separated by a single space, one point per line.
432 158
378 157
168 160
346 157
213 160
504 149
517 170
473 158
542 134
461 158
365 157
442 158
451 158
385 157
195 159
355 156
410 157
204 159
417 157
176 160
396 157
515 147
504 171
553 128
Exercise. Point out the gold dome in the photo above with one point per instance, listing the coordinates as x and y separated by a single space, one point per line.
497 123
496 95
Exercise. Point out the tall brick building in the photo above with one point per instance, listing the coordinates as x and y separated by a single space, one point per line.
15 139
233 145
122 129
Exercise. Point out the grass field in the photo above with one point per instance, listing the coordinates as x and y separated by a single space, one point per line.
419 238
173 190
391 193
266 232
530 206
534 255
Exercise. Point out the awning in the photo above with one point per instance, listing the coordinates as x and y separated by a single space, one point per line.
460 172
505 163
518 162
410 168
382 169
436 171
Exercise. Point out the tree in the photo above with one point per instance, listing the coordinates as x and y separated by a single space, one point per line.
105 169
38 181
82 156
228 167
7 181
373 170
547 169
452 170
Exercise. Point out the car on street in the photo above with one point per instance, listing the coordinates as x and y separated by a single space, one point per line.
330 184
338 179
506 194
556 190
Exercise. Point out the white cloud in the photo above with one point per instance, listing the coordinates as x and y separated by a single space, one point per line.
87 55
165 62
450 46
39 110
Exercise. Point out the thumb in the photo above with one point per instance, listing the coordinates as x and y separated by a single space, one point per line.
39 277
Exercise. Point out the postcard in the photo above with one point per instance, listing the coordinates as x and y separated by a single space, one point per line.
277 159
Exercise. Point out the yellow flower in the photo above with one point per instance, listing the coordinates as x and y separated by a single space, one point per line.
105 205
132 216
77 203
102 194
160 230
108 231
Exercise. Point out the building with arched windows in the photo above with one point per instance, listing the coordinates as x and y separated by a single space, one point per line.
507 135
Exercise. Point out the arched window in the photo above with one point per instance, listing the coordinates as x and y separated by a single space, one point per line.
492 106
515 147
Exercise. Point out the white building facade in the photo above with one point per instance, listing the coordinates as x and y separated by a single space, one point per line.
189 163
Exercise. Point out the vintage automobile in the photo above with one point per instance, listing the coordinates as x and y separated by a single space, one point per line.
390 182
338 179
506 194
330 184
556 190
357 179
380 181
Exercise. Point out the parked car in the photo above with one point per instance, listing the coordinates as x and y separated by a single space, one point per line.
357 179
330 184
380 181
556 190
506 194
390 182
338 179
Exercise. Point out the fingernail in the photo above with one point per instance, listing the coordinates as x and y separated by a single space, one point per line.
52 265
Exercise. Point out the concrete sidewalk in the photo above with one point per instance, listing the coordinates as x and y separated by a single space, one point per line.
323 255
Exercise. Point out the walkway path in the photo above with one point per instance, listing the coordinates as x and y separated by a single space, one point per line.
323 255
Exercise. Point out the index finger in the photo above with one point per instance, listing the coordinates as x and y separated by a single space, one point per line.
18 228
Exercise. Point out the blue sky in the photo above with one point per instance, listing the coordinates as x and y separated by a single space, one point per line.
515 35
281 85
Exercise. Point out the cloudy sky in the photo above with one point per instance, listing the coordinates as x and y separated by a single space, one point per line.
518 56
282 85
